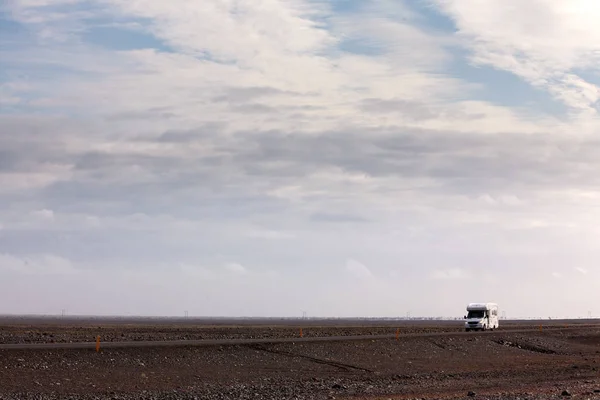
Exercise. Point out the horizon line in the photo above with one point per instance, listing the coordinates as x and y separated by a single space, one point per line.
206 317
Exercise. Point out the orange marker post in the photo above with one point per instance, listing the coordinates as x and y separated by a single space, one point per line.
97 344
540 328
398 334
301 334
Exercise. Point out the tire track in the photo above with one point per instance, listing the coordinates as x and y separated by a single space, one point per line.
316 360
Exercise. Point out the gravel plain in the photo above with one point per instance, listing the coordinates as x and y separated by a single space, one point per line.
56 330
551 363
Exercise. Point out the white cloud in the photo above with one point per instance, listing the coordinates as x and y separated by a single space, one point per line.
236 268
275 45
45 264
11 182
357 269
269 234
543 42
45 215
196 271
450 274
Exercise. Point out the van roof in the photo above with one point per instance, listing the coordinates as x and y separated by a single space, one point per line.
481 306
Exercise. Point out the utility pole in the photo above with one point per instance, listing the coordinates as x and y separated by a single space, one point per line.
186 314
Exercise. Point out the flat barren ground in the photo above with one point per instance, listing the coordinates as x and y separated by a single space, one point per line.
562 360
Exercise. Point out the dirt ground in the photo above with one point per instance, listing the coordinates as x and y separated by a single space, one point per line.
56 330
508 364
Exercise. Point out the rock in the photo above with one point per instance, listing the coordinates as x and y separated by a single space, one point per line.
596 390
565 393
336 386
471 394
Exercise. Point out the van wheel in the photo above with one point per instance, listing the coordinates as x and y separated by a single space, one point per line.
467 330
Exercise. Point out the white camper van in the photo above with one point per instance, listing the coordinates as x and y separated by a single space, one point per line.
481 317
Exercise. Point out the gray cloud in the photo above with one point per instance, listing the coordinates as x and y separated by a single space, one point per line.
249 94
336 218
417 111
414 110
188 136
254 109
451 162
156 114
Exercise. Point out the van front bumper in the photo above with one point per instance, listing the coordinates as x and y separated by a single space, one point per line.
476 325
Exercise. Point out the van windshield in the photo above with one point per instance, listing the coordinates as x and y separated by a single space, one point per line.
476 314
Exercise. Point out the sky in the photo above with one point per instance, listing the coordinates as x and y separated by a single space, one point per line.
274 157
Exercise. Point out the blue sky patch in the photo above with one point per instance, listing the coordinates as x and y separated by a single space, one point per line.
360 46
10 27
591 76
431 18
115 38
503 88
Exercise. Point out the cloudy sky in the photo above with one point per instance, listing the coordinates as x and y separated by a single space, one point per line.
269 157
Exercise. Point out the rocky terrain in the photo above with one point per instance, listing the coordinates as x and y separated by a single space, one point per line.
57 334
57 331
509 364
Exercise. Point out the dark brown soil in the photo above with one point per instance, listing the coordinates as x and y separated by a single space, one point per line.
24 330
508 365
